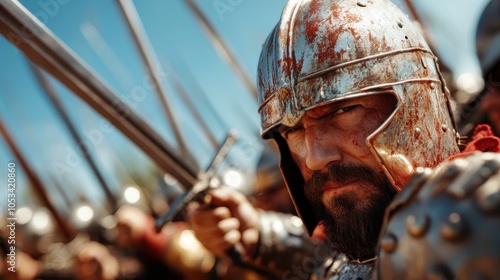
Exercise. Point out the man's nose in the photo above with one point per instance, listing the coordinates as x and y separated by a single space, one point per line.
321 148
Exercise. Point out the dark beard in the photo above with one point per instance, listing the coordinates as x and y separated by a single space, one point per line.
349 229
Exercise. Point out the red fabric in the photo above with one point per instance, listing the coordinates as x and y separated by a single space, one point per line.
153 243
483 140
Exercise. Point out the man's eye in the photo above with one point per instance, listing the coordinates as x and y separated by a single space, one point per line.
345 109
291 131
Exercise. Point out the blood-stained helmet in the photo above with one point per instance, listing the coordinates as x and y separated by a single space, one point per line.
488 37
323 51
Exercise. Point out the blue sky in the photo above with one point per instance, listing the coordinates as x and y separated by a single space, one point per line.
95 30
178 40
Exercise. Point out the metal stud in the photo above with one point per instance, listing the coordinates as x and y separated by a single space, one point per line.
362 3
433 86
417 225
454 228
389 243
444 128
321 91
417 132
423 62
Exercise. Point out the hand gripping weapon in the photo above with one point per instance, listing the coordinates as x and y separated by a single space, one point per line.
199 191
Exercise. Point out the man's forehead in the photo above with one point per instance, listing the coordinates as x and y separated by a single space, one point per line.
323 110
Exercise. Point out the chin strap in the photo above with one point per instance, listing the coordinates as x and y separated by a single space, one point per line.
365 261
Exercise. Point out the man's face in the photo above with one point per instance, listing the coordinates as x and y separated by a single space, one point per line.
345 184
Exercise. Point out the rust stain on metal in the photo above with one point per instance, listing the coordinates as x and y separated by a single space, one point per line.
312 25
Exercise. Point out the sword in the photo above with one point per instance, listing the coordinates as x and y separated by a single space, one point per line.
200 189
199 192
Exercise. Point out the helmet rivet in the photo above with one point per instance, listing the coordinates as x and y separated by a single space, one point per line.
433 86
417 225
454 228
400 24
389 243
444 128
321 91
417 132
362 3
423 62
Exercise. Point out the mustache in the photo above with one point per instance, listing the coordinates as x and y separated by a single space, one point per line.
340 174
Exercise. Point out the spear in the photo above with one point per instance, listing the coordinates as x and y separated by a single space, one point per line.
43 48
190 104
222 47
413 11
149 58
60 190
66 231
63 114
201 96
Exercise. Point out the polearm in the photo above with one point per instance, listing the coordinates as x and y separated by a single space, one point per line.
54 99
196 114
79 195
413 11
61 191
149 58
107 55
43 48
201 95
66 231
221 47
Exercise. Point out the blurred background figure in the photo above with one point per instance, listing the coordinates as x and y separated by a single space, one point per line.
172 253
488 50
29 271
485 108
269 191
96 262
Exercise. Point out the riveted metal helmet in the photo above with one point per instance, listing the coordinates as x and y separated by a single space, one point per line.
488 37
323 51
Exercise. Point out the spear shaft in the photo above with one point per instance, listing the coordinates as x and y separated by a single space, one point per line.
63 114
66 231
43 48
222 47
149 58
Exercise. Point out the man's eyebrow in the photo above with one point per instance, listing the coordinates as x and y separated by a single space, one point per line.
284 128
326 110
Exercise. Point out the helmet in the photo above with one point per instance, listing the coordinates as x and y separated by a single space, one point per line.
323 51
488 37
